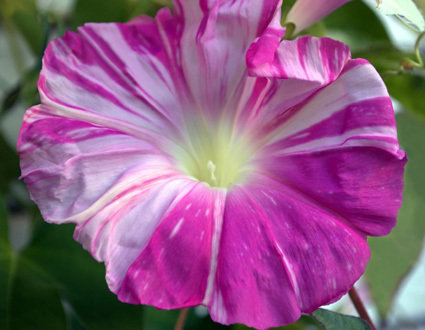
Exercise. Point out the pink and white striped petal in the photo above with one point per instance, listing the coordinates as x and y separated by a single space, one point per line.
215 38
73 168
285 266
355 110
307 12
367 197
117 71
303 66
317 60
178 265
252 283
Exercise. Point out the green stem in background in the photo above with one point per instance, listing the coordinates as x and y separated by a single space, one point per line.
181 319
358 304
409 64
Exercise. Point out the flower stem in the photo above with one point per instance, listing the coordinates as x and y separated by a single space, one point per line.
181 319
358 304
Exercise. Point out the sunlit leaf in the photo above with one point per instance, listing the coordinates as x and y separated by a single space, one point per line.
393 256
405 10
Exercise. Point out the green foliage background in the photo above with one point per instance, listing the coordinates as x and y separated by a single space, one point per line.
52 283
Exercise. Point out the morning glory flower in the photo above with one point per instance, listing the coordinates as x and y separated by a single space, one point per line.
207 162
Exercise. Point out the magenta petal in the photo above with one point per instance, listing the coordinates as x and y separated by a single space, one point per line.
366 197
253 281
322 255
173 271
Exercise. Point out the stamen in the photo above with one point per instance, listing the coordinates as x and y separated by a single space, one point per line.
211 168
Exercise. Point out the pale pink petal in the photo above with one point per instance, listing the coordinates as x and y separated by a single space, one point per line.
355 110
120 230
215 38
304 65
175 269
307 12
73 168
115 71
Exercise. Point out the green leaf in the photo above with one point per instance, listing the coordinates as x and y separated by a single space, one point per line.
25 17
55 284
409 89
99 11
34 301
138 7
344 25
335 321
384 57
9 169
394 255
81 278
4 241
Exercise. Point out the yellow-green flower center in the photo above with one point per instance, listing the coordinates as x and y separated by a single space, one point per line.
218 158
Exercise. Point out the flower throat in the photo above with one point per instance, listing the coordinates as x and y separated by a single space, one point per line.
216 158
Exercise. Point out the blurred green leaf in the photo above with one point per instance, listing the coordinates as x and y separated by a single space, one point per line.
5 256
4 242
335 321
55 284
114 10
12 96
25 17
9 169
27 297
99 11
138 7
344 25
34 299
409 89
81 278
394 255
384 57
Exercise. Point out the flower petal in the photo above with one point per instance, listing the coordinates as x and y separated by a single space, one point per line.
341 144
307 12
214 41
304 65
73 168
320 257
119 231
173 271
116 71
253 285
317 60
355 110
361 184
